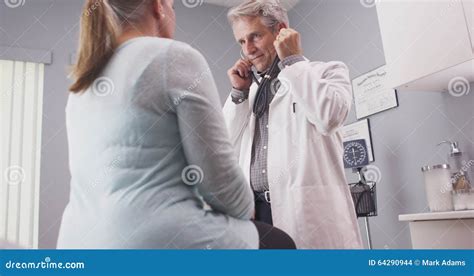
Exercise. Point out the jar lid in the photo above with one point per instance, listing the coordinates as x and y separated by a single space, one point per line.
434 167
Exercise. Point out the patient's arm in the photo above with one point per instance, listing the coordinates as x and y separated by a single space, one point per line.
204 135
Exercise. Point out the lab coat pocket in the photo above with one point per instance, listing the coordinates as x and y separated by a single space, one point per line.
294 121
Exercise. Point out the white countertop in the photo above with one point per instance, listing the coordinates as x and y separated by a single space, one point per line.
467 214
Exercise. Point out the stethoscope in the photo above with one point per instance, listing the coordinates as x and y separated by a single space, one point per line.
259 107
243 57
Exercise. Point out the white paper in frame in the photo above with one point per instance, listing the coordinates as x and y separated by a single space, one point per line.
371 93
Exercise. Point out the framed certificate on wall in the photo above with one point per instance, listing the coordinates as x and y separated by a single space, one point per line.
371 94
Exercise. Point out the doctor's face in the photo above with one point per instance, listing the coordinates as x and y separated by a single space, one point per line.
256 41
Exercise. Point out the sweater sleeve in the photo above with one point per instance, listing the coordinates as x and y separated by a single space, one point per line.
204 136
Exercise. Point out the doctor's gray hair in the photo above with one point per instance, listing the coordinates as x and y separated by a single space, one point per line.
270 11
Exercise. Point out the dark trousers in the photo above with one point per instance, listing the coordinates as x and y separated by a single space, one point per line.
273 238
263 210
270 236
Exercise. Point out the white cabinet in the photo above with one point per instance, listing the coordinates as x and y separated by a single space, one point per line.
426 42
469 13
443 230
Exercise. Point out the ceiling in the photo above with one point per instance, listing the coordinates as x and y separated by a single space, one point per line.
289 4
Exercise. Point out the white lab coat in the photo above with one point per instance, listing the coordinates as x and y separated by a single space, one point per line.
310 197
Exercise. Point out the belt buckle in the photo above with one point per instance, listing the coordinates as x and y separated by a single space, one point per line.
266 195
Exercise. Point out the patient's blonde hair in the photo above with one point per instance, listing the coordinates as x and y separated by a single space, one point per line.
101 23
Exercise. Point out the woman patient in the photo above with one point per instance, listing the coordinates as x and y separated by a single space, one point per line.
148 147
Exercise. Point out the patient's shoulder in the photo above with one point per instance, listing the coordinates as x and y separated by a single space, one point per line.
154 47
182 51
184 58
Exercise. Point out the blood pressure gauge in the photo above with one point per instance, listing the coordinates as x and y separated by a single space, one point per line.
355 154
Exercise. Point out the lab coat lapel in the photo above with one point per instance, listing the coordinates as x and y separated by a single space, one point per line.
246 149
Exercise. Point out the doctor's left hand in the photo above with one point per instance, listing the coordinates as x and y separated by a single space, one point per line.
288 43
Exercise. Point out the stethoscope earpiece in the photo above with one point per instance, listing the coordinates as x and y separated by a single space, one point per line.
261 99
243 57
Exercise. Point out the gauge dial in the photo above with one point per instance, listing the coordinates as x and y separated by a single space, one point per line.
355 154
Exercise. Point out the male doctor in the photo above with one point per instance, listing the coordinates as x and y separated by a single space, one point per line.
285 129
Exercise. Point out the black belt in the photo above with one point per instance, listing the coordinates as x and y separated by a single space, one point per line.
262 196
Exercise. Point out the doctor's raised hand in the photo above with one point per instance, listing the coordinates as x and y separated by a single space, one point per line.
288 43
240 75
